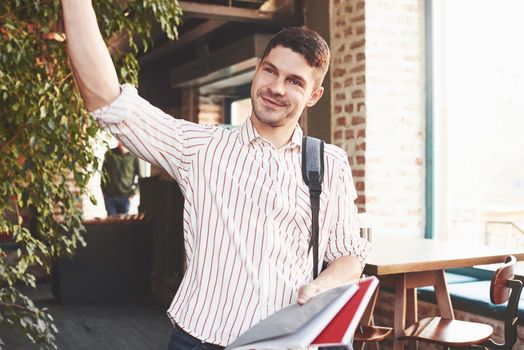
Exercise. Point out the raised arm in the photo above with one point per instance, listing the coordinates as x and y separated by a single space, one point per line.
92 66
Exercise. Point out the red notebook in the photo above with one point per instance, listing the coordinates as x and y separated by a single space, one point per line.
329 318
343 326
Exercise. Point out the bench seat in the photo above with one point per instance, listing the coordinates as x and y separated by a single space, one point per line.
469 293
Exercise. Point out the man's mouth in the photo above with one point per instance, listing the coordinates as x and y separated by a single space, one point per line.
272 103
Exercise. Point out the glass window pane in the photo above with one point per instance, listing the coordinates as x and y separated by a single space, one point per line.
479 119
240 111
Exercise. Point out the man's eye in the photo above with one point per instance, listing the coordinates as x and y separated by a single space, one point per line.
296 82
268 69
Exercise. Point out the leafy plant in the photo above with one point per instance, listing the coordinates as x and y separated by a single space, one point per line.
46 136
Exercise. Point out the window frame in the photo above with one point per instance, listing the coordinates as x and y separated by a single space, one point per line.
429 119
241 92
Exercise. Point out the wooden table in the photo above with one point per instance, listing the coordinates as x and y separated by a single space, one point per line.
406 263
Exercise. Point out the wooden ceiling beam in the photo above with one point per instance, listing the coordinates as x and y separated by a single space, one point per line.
184 39
237 14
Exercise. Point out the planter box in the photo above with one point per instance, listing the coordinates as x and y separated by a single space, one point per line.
114 265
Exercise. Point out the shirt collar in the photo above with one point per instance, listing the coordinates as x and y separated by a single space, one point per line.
296 138
248 134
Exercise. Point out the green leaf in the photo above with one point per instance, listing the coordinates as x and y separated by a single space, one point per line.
43 111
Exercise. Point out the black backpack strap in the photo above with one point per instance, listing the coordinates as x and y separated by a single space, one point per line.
313 174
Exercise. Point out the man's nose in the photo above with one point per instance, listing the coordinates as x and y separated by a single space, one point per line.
277 87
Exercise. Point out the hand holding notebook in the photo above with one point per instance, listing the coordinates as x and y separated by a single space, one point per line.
329 318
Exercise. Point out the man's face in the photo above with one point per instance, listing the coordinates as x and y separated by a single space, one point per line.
283 85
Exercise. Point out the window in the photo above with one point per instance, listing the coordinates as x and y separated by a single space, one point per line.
478 106
240 111
237 105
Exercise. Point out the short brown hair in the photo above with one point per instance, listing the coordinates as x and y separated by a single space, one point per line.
305 42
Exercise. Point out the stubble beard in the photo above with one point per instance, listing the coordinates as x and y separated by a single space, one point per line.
269 116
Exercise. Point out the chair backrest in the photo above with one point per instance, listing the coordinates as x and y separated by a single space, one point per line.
505 287
500 290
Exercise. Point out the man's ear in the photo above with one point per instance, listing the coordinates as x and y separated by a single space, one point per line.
315 96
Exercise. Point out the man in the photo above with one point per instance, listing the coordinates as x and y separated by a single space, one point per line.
247 214
119 180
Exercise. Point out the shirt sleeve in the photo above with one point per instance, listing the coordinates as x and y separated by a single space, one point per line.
344 235
151 134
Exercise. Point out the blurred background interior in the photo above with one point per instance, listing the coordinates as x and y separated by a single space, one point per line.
426 98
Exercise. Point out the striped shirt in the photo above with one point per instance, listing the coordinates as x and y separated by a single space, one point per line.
247 214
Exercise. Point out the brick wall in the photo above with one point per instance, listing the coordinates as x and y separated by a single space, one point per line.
189 105
210 110
395 114
378 106
348 83
201 109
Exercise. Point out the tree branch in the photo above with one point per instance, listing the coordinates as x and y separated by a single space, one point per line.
11 140
16 306
64 79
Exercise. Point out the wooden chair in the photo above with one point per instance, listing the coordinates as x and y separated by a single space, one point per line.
369 333
455 333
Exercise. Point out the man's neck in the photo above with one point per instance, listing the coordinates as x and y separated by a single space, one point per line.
278 136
